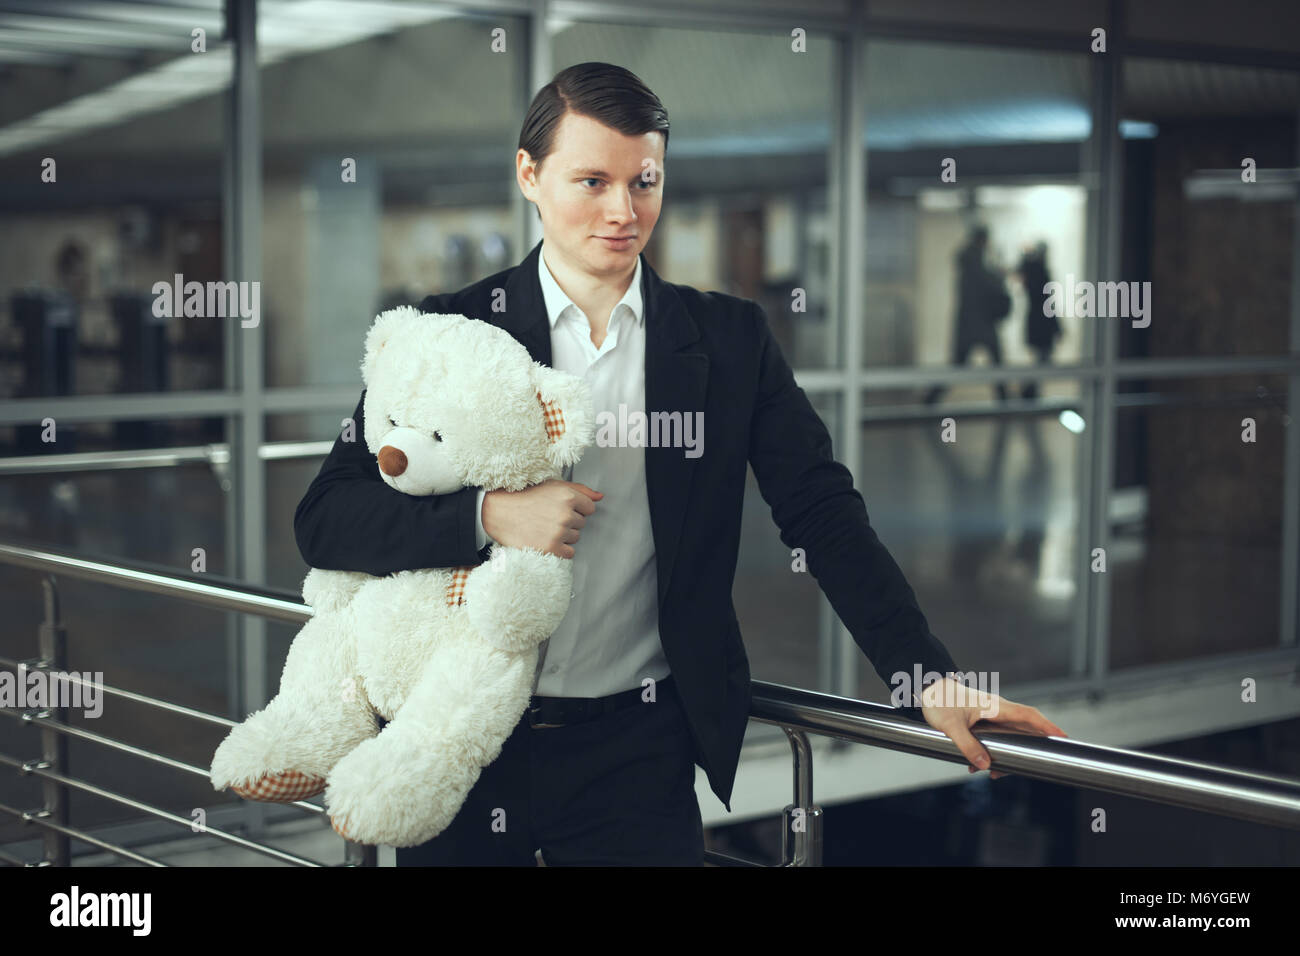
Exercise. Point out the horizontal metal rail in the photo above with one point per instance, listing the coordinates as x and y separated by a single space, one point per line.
213 454
167 583
1245 795
35 767
44 720
39 818
217 454
129 695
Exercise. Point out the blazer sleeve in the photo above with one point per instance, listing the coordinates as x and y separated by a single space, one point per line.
816 507
350 520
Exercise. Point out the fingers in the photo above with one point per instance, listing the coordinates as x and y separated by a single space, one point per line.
591 493
1027 719
970 748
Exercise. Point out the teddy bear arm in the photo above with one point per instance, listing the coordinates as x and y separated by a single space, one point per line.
517 598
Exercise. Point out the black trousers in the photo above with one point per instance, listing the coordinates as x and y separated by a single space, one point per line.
615 791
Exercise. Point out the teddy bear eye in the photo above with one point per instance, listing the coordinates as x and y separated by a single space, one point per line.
391 422
437 437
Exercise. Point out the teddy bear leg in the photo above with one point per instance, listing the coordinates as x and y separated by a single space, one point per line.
285 751
406 785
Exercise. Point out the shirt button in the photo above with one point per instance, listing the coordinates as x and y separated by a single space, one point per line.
553 668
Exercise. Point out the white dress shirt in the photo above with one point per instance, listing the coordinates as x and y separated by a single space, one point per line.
609 639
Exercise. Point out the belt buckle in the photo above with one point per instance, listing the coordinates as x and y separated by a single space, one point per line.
533 712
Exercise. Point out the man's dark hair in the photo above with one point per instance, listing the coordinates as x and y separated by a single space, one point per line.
606 93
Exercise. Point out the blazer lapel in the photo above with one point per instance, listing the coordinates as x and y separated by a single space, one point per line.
525 309
676 380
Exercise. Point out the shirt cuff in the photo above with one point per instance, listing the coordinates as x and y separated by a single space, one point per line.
480 536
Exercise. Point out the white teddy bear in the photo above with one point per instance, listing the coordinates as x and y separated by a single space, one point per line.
446 654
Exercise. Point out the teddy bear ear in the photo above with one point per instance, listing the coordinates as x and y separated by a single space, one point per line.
565 405
386 325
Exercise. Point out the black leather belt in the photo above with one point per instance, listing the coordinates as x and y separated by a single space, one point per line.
560 711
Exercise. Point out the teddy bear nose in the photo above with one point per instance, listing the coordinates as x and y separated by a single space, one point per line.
392 461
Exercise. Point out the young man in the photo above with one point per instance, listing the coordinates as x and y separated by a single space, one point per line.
646 675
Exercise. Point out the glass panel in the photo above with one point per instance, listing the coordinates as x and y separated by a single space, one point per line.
745 174
426 110
779 608
1192 229
287 480
110 182
157 512
984 528
960 137
1196 519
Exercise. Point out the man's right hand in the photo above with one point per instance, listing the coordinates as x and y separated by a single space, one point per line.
547 516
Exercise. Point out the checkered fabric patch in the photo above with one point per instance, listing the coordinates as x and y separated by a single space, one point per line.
456 589
283 787
553 417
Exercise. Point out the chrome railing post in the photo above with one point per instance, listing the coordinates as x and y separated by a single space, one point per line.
360 854
801 837
54 745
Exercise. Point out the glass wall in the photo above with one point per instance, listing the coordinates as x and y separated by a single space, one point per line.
388 173
1196 544
961 138
981 512
95 213
1209 207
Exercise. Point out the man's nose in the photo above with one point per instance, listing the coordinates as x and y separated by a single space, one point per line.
392 461
623 210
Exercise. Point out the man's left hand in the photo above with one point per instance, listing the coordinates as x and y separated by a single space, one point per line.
953 708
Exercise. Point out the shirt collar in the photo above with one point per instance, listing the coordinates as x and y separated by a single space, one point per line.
557 301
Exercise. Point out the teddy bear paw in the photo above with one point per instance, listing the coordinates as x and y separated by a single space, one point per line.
401 788
340 829
286 787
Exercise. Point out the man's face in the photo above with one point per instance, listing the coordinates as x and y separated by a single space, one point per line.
597 184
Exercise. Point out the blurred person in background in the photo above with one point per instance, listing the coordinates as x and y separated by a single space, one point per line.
982 303
1041 330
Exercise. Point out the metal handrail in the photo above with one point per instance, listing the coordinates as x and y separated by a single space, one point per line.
1246 795
215 454
1242 794
272 603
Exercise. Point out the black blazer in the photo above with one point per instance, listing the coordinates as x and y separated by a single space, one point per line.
705 351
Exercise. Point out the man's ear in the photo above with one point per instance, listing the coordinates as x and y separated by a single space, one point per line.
564 406
386 325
